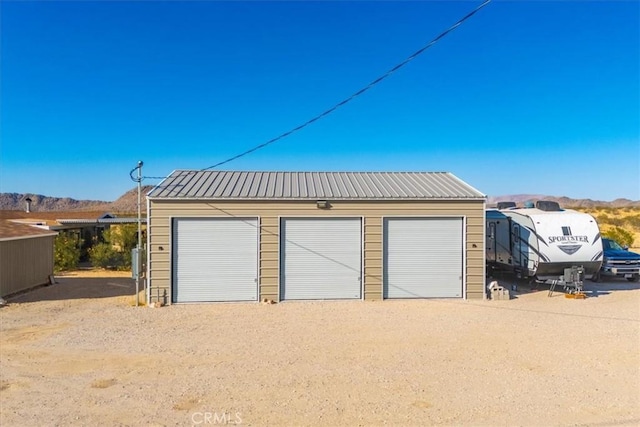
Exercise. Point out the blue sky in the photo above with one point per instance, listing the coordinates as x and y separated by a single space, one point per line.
530 97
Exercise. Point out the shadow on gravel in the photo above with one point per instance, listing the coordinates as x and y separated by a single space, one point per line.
68 288
605 288
592 289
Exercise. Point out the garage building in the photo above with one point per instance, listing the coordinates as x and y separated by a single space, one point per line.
218 236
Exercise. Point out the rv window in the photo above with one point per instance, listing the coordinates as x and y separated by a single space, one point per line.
566 231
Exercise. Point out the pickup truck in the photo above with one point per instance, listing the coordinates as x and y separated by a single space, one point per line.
618 262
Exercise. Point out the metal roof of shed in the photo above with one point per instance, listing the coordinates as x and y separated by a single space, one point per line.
193 184
101 221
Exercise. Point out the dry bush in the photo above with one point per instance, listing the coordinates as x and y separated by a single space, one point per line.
620 222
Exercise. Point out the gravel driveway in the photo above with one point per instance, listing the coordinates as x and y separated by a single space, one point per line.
77 353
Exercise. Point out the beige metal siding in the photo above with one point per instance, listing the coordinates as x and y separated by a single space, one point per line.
161 212
475 256
269 258
372 257
25 263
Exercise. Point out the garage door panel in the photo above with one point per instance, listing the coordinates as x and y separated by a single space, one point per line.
215 259
423 257
321 258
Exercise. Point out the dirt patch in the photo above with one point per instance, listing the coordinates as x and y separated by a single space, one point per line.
187 403
532 360
103 383
29 333
93 272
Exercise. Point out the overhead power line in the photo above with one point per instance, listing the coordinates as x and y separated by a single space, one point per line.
356 94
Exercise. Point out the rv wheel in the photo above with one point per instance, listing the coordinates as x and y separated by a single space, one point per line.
634 278
596 277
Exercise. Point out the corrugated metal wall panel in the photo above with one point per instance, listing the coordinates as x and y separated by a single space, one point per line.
321 258
215 259
423 257
25 263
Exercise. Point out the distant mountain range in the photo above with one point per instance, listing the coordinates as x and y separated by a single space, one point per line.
564 202
127 203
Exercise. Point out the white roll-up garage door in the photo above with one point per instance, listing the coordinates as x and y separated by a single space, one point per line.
215 259
320 258
423 257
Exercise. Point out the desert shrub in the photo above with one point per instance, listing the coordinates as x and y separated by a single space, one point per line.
122 239
129 233
128 239
114 250
618 222
125 260
66 252
633 221
104 255
603 219
620 235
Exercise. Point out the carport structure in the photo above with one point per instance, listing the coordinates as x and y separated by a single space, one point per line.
218 236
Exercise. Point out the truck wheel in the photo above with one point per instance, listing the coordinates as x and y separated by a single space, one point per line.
596 277
635 278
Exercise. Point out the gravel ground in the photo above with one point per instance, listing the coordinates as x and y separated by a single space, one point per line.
78 353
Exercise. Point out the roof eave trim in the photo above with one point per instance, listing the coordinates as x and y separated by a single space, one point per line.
7 239
305 199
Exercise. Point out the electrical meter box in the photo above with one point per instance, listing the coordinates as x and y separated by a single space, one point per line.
136 263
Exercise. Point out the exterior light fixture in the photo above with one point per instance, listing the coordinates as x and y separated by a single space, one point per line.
322 204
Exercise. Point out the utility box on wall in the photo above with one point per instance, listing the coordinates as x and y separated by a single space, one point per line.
137 265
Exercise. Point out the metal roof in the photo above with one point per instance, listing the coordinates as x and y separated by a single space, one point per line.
191 184
101 221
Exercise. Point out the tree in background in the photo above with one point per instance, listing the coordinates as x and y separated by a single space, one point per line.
66 252
127 238
104 255
620 235
115 250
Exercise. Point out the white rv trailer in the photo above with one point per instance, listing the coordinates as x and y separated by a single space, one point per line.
543 243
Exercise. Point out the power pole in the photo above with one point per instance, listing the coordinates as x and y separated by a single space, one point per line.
139 233
136 260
